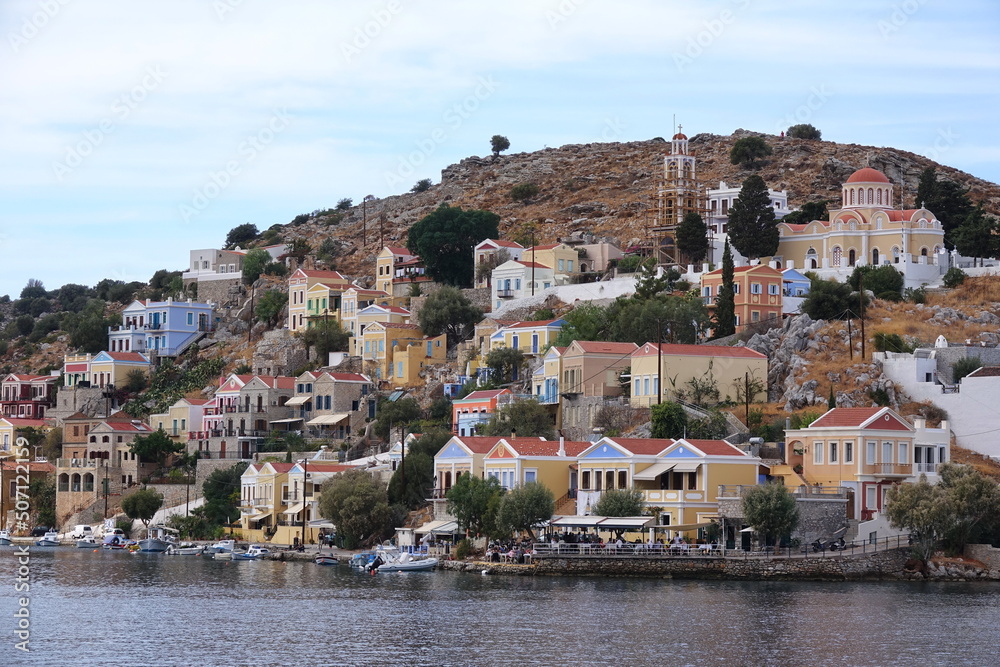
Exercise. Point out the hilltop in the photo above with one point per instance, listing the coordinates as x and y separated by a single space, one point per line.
607 188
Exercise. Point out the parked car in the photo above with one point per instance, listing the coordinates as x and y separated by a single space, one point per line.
39 531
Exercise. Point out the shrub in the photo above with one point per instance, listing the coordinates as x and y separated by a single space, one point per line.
462 549
804 131
880 396
423 185
891 342
963 367
954 277
524 191
915 295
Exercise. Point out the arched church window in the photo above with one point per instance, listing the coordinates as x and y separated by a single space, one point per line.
838 255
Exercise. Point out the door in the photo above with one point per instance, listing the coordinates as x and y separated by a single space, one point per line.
534 343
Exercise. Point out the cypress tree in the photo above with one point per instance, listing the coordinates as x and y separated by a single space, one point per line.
725 303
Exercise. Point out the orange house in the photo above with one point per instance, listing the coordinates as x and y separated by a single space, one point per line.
474 409
757 293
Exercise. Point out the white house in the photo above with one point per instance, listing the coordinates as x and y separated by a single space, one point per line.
487 249
515 279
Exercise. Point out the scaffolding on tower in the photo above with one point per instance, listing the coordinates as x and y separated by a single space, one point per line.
679 193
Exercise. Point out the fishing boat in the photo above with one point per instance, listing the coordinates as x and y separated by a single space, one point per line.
5 538
157 539
390 559
326 560
87 542
186 549
222 546
50 539
361 561
253 553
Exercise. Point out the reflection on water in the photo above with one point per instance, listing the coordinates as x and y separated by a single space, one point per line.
151 609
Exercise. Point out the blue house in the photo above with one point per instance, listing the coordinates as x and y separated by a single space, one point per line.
164 327
794 283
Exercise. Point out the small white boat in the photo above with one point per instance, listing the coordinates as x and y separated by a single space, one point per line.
227 555
51 539
325 560
87 543
253 553
5 538
389 559
186 549
222 546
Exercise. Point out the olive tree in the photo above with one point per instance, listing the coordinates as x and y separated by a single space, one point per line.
357 504
142 505
525 507
770 509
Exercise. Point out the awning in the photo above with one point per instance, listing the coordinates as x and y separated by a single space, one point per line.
686 526
298 400
575 521
328 420
625 522
748 529
654 471
286 421
320 523
687 467
294 509
438 527
256 516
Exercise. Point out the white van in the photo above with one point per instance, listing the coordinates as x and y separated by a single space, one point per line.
81 531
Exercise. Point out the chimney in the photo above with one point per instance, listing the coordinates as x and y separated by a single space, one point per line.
562 444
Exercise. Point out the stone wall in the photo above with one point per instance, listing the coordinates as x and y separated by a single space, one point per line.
175 494
819 518
220 292
70 400
987 555
207 466
279 352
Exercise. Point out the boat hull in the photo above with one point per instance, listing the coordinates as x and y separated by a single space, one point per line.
153 545
422 565
325 560
4 542
87 543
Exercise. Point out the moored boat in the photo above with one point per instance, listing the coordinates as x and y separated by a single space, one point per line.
186 549
87 542
389 559
326 560
222 546
51 539
5 538
253 553
153 545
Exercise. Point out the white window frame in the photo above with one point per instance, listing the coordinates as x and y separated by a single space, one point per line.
756 288
818 453
887 446
848 451
902 453
871 450
834 452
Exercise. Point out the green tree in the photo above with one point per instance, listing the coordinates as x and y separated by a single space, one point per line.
523 192
357 505
524 508
804 131
473 502
829 300
254 263
812 210
88 329
648 284
921 509
344 204
444 239
953 277
412 481
142 505
448 311
586 321
752 228
972 501
328 249
241 235
526 419
505 364
692 238
498 144
668 420
155 447
42 491
423 185
770 509
619 502
977 236
747 150
399 414
135 381
884 281
270 306
484 269
963 367
947 200
725 301
326 336
675 319
34 289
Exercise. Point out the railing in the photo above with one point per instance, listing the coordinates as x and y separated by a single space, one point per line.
505 293
78 463
893 468
929 468
739 490
713 551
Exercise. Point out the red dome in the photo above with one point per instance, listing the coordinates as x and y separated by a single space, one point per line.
868 175
680 136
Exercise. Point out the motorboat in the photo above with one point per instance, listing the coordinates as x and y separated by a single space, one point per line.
186 549
115 540
158 539
326 560
5 538
362 560
222 546
253 553
390 559
87 542
50 539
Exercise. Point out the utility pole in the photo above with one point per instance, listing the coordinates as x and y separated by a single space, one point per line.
861 294
364 219
850 339
534 255
305 480
105 488
250 319
746 395
659 361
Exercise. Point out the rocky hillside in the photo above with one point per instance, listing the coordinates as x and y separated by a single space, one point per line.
607 188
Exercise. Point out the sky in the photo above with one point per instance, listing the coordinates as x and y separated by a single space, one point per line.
133 132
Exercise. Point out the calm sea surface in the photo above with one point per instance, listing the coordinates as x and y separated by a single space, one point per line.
90 608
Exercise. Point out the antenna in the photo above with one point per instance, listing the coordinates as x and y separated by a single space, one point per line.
674 124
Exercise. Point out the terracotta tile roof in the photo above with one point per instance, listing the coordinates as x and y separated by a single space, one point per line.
333 275
484 394
281 467
21 422
78 415
532 447
536 323
396 250
548 246
505 244
348 377
840 417
762 268
360 291
33 466
397 325
699 351
479 444
600 347
531 264
717 447
867 175
985 371
643 446
23 377
198 401
127 356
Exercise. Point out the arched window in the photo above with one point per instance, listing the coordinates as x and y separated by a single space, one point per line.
871 195
838 255
851 257
852 196
895 254
880 196
923 252
875 256
811 259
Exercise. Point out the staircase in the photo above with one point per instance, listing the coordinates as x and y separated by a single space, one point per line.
792 478
566 506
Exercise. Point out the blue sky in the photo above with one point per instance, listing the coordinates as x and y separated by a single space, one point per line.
133 132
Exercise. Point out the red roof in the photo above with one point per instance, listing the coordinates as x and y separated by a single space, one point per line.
680 136
396 250
643 446
600 347
479 444
484 394
198 401
549 246
699 351
861 417
503 244
367 292
33 466
868 175
281 467
397 325
313 273
716 447
764 268
348 377
23 377
531 264
533 447
127 356
20 422
536 323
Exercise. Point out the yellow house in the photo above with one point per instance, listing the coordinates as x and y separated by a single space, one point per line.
376 313
264 496
180 418
323 302
10 428
409 358
380 340
559 257
299 285
305 480
103 368
529 337
727 368
385 266
546 377
680 478
353 301
516 461
461 455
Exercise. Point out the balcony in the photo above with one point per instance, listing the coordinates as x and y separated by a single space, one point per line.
926 468
505 294
673 496
77 463
893 469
